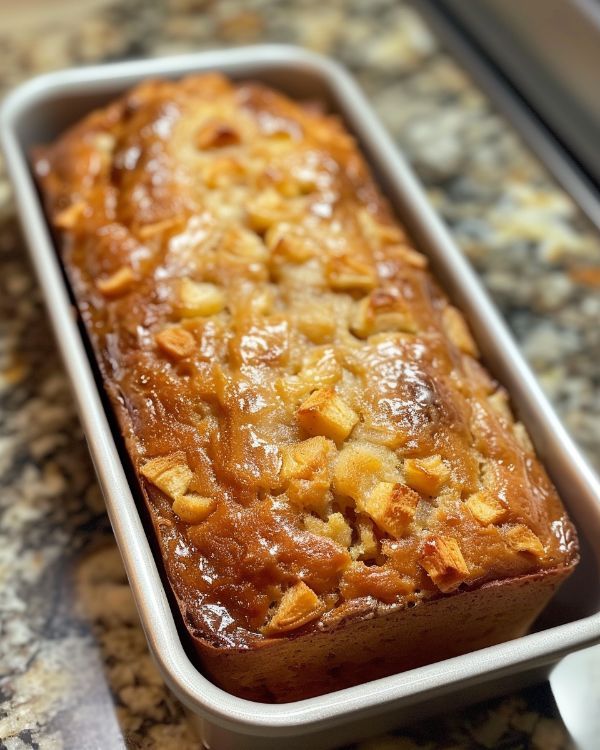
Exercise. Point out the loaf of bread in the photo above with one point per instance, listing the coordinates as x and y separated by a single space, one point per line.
338 488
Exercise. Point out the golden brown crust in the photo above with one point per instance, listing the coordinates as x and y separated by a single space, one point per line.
305 410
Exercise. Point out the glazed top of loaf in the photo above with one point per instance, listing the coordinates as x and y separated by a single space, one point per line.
306 412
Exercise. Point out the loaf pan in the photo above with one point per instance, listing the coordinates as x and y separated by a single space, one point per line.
41 109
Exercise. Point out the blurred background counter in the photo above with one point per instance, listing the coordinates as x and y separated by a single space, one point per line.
74 667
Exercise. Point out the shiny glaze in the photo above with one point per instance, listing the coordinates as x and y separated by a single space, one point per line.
151 195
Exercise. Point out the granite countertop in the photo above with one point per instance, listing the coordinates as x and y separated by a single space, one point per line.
75 671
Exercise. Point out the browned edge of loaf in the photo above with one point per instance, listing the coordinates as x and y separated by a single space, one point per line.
369 646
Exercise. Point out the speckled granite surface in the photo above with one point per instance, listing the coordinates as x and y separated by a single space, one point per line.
74 668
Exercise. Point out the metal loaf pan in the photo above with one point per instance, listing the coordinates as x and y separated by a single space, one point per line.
36 113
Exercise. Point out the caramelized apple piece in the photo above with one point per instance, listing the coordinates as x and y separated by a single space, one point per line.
193 508
347 273
367 546
306 472
298 606
302 460
426 475
336 527
443 561
522 539
176 342
288 247
117 283
320 368
383 310
391 506
265 210
486 508
170 473
325 413
359 466
199 299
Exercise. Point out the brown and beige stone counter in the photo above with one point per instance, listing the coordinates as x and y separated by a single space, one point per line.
74 667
